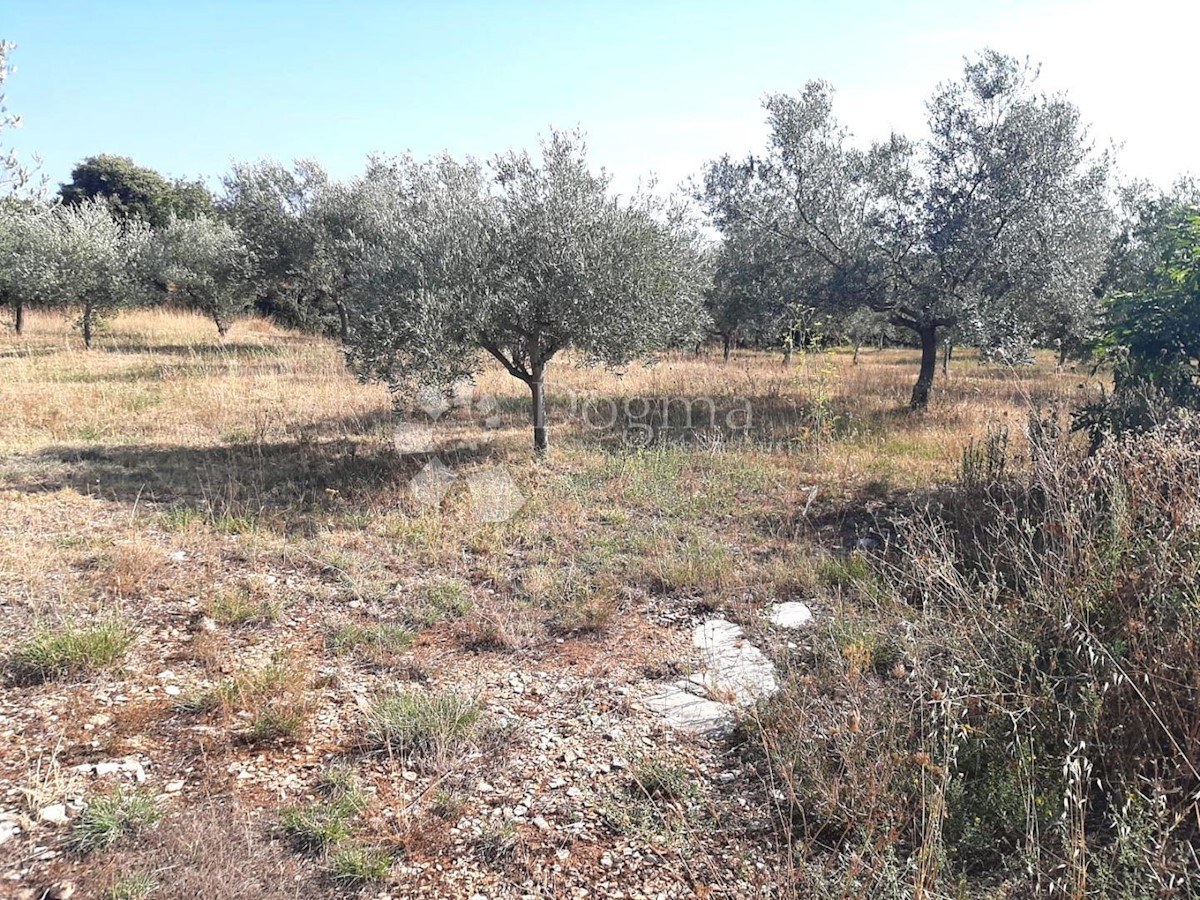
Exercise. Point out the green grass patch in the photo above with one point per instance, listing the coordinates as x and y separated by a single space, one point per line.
60 652
357 864
135 886
240 607
375 643
109 818
428 729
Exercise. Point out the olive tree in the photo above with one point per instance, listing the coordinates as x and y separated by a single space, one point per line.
996 219
519 262
204 263
301 228
96 260
27 259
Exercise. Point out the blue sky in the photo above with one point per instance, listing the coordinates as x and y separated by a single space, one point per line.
658 86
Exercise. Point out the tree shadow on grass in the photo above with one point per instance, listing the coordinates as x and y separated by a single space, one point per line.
278 485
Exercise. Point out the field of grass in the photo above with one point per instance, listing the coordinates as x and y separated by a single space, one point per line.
240 513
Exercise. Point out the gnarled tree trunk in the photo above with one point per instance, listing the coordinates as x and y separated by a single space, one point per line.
929 348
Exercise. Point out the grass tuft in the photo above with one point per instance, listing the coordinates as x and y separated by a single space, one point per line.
378 644
60 652
136 886
109 818
356 864
426 729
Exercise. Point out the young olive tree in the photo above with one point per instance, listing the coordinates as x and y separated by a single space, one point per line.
96 261
998 218
537 259
205 264
27 259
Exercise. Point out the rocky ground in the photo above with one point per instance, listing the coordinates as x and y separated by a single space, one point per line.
548 801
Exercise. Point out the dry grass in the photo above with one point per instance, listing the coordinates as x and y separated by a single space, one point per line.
233 501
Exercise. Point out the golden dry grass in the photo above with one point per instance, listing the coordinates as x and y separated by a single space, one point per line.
165 470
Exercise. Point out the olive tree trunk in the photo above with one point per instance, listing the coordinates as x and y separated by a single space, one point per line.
537 390
929 357
88 315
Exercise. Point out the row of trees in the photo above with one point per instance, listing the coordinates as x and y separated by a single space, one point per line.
80 257
999 228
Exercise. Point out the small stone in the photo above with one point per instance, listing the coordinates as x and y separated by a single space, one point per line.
409 776
540 823
55 814
520 810
563 854
173 787
619 762
207 624
172 690
484 788
557 783
792 614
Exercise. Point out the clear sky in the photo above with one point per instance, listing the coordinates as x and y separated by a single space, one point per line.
660 86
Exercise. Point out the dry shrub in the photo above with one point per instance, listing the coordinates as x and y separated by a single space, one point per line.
1034 718
127 571
501 627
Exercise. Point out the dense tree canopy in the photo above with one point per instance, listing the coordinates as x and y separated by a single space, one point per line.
301 228
134 192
